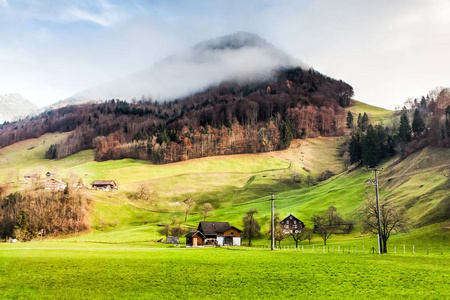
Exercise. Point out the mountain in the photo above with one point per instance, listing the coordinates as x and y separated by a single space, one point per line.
14 106
241 56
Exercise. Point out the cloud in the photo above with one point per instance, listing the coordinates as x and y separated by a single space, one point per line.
238 57
4 3
387 50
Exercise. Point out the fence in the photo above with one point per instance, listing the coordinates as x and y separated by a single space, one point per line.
356 249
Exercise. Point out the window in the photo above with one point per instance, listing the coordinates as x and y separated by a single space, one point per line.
286 226
295 222
232 233
295 226
287 222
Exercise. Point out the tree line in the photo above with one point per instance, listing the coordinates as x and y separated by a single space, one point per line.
430 125
233 117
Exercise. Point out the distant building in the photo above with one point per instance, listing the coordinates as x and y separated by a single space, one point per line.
214 233
106 185
55 185
31 177
50 174
291 224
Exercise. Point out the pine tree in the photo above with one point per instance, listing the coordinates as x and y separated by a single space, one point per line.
355 148
349 120
371 151
365 122
418 126
404 131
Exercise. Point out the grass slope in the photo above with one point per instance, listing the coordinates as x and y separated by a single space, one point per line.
217 274
377 115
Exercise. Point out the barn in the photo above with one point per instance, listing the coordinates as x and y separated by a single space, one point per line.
106 185
214 233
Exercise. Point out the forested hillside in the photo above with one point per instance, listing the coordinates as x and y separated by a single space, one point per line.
234 117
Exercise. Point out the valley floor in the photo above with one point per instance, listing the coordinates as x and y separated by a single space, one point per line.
120 273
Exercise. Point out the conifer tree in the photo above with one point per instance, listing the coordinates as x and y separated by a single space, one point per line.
418 126
371 152
349 120
404 131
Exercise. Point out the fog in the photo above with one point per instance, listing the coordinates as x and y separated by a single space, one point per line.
238 57
387 50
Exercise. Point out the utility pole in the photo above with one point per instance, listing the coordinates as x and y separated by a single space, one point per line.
378 210
272 224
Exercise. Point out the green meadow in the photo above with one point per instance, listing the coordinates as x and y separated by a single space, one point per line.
217 274
120 258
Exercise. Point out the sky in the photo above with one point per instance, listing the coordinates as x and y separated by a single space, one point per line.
388 51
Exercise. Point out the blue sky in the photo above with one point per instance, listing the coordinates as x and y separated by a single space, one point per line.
387 50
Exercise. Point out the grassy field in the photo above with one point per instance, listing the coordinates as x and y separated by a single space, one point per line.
377 115
119 258
116 273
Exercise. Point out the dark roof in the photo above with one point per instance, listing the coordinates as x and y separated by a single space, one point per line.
212 228
289 218
192 233
103 182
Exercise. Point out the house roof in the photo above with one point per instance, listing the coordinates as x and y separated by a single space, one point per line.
211 228
192 233
54 179
103 182
289 218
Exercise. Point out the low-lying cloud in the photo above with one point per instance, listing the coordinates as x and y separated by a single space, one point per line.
237 57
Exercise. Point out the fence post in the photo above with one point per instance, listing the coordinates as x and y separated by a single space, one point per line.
328 249
414 250
333 248
363 249
313 248
427 250
404 249
442 251
395 249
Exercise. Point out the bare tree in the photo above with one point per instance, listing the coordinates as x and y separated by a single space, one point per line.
189 204
142 193
309 234
175 220
299 235
278 231
164 230
251 226
177 231
206 210
392 220
327 224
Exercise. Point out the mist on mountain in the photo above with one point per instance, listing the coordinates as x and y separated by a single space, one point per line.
239 57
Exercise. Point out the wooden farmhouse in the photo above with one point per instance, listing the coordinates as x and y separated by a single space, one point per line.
106 185
31 177
214 233
55 185
291 224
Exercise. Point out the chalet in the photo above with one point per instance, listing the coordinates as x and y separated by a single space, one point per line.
291 224
214 233
106 185
31 177
54 185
